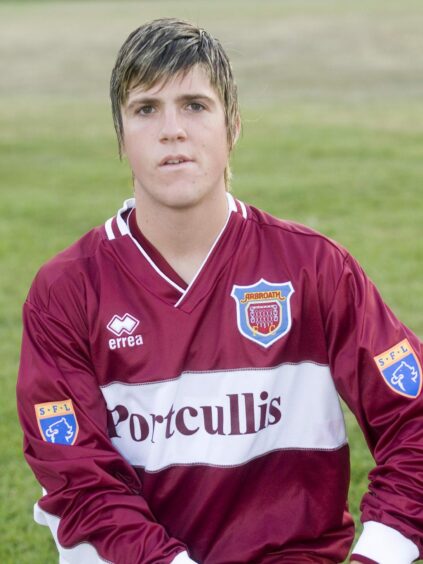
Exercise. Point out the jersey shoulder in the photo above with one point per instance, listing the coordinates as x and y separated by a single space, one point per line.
68 269
295 235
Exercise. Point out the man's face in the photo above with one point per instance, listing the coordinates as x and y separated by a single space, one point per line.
176 142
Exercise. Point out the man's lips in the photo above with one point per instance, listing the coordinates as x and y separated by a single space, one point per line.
175 160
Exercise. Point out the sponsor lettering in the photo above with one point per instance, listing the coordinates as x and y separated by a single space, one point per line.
257 412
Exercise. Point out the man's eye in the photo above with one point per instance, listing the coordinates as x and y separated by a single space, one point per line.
196 106
146 110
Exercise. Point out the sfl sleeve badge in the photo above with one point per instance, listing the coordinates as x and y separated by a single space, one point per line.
57 422
401 370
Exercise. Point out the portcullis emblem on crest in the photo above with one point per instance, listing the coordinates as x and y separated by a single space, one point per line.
401 370
263 311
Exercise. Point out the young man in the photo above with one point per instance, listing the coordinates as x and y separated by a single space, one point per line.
181 364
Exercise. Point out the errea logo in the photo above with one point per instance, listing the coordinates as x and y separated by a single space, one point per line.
120 326
126 324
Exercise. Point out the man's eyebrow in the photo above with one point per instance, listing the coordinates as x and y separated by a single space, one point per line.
145 100
191 97
151 100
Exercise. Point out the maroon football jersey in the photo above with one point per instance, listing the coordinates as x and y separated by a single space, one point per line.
161 417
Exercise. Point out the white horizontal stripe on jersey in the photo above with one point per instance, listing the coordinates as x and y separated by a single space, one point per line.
225 418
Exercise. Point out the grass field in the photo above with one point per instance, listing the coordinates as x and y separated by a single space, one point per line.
332 98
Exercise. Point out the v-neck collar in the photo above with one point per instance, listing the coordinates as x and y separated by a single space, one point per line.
155 255
157 275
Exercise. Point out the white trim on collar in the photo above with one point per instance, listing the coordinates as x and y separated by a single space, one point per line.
150 261
243 209
210 251
109 229
124 230
231 202
121 223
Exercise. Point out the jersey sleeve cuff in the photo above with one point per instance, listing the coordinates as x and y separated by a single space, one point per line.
182 558
384 545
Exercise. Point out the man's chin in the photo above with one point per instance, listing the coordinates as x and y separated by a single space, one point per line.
181 195
184 194
183 203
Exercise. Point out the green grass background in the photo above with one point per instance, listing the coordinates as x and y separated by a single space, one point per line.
332 103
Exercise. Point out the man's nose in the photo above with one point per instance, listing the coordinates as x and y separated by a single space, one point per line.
172 126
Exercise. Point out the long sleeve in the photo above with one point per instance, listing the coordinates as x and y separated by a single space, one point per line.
376 365
93 502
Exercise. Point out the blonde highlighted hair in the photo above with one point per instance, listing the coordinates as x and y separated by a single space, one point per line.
163 48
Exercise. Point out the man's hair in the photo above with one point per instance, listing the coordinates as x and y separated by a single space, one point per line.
163 48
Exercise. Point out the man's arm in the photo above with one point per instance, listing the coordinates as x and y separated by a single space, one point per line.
93 495
376 365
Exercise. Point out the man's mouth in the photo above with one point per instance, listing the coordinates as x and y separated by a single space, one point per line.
175 160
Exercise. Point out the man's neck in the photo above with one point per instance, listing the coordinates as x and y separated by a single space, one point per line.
183 236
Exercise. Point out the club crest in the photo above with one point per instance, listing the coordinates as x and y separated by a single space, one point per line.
401 370
263 311
57 422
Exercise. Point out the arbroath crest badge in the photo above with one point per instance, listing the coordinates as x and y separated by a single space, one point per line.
263 311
